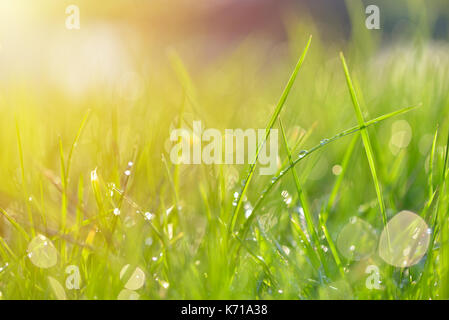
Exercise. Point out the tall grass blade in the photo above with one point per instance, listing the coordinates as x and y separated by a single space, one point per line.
366 140
270 125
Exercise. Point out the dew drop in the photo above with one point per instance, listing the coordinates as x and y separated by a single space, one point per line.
302 154
148 216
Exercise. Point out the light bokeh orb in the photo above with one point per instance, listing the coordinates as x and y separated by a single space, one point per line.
127 294
357 240
42 252
136 280
401 135
405 240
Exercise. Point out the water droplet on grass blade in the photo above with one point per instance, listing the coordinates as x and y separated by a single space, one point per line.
169 210
93 175
302 154
248 209
148 216
287 198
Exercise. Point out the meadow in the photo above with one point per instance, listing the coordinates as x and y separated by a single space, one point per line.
93 208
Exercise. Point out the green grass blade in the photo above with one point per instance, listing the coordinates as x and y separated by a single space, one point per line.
270 125
431 161
24 185
75 142
366 141
307 153
64 188
333 249
446 159
15 224
344 167
303 200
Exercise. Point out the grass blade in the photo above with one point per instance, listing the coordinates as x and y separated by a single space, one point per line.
303 200
75 142
270 125
366 140
431 161
25 189
15 224
307 153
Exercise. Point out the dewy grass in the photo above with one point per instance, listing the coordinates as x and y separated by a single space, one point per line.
270 125
307 153
66 176
304 202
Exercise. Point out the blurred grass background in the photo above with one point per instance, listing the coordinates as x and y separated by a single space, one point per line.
135 68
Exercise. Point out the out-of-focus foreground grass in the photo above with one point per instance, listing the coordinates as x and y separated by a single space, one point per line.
85 171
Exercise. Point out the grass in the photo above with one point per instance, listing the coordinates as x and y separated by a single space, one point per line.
91 173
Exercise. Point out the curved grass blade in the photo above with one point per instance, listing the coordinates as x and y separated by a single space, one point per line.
270 125
304 202
304 154
324 215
